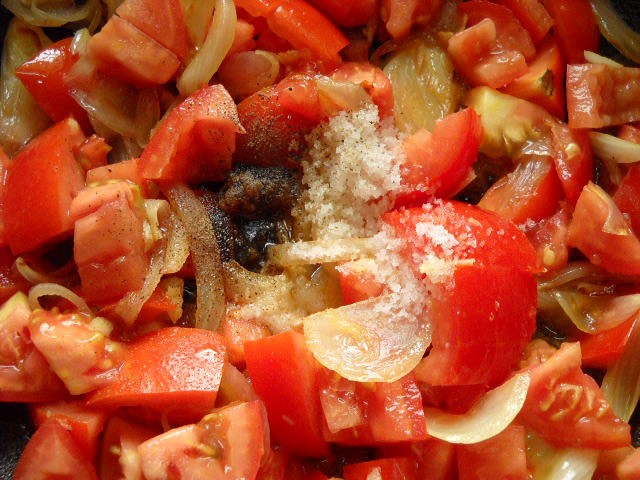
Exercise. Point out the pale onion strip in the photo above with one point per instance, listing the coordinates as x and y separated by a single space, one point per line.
56 290
219 39
211 302
321 251
593 57
614 149
621 383
33 276
552 463
55 13
594 314
488 417
616 30
376 340
197 16
177 248
129 306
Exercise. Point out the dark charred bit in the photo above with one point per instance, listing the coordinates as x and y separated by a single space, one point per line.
252 240
222 224
252 191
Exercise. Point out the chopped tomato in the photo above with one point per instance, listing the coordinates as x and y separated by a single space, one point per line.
626 197
439 163
93 152
228 443
174 370
373 80
501 456
602 349
567 407
25 375
531 192
299 94
544 82
162 20
278 464
349 13
11 281
599 95
575 27
41 215
532 15
435 459
549 238
629 467
305 27
52 453
125 52
259 8
234 387
456 399
83 423
630 132
78 349
285 376
602 233
195 141
124 170
358 281
384 469
238 330
43 76
573 159
401 15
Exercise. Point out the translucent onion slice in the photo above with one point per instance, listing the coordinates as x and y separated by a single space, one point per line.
61 276
488 417
336 96
621 383
197 15
593 57
219 39
614 149
616 30
321 251
55 13
552 463
55 290
210 303
376 340
177 247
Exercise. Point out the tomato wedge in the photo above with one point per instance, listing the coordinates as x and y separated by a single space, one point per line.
575 27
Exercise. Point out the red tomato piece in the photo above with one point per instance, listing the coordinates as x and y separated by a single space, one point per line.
435 459
600 231
452 398
567 407
627 194
544 83
4 165
163 21
11 281
299 94
384 469
439 163
43 76
124 170
630 132
602 349
401 15
278 464
549 238
195 141
259 8
601 95
119 457
24 373
285 376
228 443
532 191
532 15
83 423
125 52
501 456
629 467
238 330
93 152
358 281
373 80
573 158
350 13
41 215
575 27
305 27
53 453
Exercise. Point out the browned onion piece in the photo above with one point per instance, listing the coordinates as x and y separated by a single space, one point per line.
55 290
376 340
177 248
210 303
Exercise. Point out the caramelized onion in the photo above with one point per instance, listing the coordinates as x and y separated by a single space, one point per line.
210 303
376 340
489 416
55 290
177 247
321 251
616 30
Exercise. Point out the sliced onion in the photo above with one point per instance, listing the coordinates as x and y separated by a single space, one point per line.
62 275
614 149
56 12
336 95
177 247
155 210
219 39
197 16
376 340
593 57
321 251
210 303
552 463
55 290
621 384
488 417
616 30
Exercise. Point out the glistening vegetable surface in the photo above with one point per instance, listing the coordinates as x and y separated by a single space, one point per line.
312 239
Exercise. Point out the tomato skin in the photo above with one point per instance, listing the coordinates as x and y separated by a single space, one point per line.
602 349
385 468
500 457
373 80
575 27
532 15
40 215
195 141
549 238
43 76
627 194
350 13
285 376
601 232
567 407
573 158
53 453
173 368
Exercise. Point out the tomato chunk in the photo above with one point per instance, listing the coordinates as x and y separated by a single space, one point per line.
195 141
384 468
575 26
532 15
41 215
